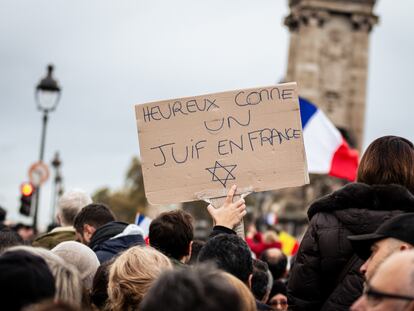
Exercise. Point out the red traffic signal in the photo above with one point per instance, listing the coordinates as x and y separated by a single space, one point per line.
26 190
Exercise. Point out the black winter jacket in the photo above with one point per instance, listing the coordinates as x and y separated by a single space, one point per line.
325 250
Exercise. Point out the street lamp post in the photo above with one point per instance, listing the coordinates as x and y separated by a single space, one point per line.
57 187
47 96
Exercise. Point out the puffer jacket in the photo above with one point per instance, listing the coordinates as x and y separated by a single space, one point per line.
321 278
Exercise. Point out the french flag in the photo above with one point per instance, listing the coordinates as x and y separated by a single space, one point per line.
327 151
143 222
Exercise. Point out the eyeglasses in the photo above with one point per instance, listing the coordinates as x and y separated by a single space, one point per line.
376 296
278 302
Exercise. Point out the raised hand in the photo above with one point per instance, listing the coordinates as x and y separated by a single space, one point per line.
230 213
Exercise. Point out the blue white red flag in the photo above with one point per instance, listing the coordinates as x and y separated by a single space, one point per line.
143 222
327 151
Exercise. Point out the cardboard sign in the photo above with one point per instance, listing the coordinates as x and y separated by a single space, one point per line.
197 147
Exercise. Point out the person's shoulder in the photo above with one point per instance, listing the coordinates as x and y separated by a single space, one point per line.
51 239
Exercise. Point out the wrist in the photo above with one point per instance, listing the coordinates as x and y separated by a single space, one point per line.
223 224
222 229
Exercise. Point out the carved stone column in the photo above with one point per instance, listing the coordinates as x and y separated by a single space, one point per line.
328 57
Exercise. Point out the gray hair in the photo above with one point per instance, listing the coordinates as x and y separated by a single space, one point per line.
70 204
80 256
68 281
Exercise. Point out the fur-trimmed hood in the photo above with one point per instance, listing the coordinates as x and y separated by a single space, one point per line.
359 205
363 196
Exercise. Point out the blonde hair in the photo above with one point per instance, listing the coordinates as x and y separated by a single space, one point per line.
246 296
132 274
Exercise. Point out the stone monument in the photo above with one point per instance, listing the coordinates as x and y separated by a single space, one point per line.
328 57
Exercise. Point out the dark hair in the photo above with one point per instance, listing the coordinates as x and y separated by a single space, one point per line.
171 233
95 215
195 250
188 289
3 214
277 264
99 292
388 160
24 279
9 238
260 279
278 288
230 253
20 225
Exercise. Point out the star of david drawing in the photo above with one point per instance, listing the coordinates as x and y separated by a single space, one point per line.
222 173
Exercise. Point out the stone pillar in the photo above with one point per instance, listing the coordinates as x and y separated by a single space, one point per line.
328 57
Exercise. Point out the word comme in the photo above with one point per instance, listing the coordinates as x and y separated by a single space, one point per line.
257 97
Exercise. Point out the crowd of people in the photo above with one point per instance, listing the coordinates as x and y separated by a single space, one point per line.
356 254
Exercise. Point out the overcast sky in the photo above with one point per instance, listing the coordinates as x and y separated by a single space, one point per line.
110 55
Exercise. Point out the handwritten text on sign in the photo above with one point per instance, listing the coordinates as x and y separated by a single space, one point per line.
196 147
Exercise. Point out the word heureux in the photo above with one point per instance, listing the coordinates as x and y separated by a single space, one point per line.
190 106
250 141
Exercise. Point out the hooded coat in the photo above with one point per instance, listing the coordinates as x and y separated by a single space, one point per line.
325 275
113 238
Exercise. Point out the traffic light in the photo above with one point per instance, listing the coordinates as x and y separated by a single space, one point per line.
27 190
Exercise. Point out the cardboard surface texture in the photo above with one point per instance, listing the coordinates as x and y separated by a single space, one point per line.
197 147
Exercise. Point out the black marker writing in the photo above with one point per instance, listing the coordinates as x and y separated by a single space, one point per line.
170 152
271 136
217 125
256 97
178 108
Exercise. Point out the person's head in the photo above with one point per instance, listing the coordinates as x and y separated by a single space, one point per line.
391 287
68 282
99 291
261 280
69 205
9 238
278 297
89 219
388 160
3 214
132 274
172 233
26 232
270 236
396 234
247 298
200 288
81 257
231 254
277 262
196 247
24 279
